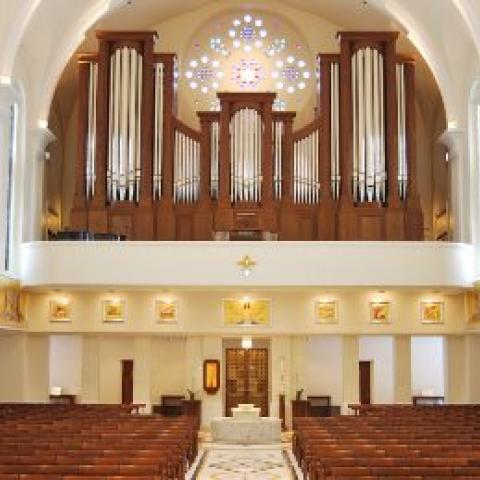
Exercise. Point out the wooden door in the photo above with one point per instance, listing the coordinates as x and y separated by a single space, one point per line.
127 382
246 378
365 383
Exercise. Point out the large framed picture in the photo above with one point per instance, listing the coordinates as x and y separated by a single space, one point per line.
432 312
380 313
247 312
326 312
60 310
114 311
211 376
166 312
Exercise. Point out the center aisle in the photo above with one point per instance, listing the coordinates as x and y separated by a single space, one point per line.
251 462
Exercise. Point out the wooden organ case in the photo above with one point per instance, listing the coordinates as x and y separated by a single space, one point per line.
348 175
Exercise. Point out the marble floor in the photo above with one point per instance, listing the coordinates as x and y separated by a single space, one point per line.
237 462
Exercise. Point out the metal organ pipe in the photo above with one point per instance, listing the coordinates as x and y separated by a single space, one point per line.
335 129
186 171
158 132
369 166
124 153
306 170
402 132
92 129
214 160
278 133
246 144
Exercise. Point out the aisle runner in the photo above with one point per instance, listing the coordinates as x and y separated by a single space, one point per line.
245 463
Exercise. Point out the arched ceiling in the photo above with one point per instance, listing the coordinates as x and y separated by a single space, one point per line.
47 32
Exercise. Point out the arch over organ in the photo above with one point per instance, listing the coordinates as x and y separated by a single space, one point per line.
350 174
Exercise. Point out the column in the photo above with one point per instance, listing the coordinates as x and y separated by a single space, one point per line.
6 100
90 369
78 215
454 140
280 360
37 368
142 371
472 352
402 367
165 217
414 215
391 121
203 217
327 209
350 367
346 137
456 378
38 140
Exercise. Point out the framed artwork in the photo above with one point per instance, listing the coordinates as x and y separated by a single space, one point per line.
380 312
113 311
60 310
247 313
326 312
166 312
12 302
211 376
432 312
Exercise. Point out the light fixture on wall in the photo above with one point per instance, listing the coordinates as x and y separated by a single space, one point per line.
246 265
247 343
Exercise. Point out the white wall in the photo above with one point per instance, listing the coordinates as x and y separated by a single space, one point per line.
323 367
379 350
12 367
428 365
65 362
287 264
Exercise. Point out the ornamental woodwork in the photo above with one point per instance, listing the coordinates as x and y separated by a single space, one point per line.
348 175
246 379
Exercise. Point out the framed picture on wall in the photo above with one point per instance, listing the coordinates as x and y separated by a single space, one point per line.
380 313
114 311
432 312
326 312
166 312
60 310
211 376
255 312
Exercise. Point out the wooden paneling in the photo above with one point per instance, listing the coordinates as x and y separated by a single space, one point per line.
246 378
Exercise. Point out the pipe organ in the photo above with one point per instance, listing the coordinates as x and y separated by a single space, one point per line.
348 175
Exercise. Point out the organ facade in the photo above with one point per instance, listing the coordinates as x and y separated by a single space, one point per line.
350 174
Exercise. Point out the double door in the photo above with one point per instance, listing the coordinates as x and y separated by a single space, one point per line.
246 378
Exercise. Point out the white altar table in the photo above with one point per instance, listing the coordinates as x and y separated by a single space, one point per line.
262 430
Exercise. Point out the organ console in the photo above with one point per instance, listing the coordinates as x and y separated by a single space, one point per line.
348 175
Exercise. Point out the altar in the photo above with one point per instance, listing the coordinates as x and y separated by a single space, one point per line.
246 427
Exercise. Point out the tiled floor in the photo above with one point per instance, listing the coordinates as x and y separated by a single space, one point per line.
253 462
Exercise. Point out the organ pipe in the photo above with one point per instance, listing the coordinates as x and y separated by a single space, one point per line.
335 128
369 164
306 169
124 153
214 159
92 129
402 132
186 171
158 131
246 157
278 133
